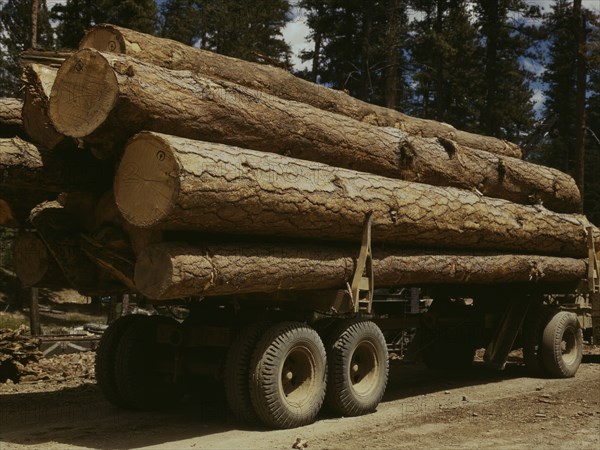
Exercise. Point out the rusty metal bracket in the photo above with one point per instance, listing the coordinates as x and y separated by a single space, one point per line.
362 285
593 269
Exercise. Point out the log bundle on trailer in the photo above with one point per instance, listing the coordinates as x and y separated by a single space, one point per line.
277 82
192 178
132 95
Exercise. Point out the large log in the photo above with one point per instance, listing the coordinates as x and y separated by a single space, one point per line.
38 81
175 183
34 265
11 123
278 82
174 270
26 166
56 228
130 95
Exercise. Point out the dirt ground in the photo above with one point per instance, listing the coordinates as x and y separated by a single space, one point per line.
426 409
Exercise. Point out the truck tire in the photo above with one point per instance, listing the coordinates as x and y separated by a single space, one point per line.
533 329
358 367
106 356
237 372
139 356
562 345
288 375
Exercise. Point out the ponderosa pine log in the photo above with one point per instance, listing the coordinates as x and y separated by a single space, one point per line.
277 82
38 81
173 183
34 265
131 95
173 270
24 165
11 123
56 228
107 214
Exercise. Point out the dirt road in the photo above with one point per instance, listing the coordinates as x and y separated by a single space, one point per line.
421 408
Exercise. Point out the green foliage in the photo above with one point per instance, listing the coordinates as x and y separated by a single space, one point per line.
140 15
248 30
73 18
359 43
180 20
447 54
592 143
558 149
15 37
506 106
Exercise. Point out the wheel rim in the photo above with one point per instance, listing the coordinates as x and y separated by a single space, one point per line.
363 370
568 346
298 373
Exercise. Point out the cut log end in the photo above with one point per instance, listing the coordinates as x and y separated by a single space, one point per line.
147 180
31 259
153 271
105 38
84 93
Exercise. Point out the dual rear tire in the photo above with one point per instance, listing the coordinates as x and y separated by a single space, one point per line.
290 373
133 370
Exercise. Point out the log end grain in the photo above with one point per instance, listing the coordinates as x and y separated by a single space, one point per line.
153 271
104 37
84 93
31 259
147 180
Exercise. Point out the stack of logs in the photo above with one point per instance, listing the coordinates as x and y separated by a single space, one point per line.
162 169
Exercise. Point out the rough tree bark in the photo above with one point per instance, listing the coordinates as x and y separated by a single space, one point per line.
130 96
278 82
175 183
174 270
38 81
34 265
16 204
27 166
56 228
11 123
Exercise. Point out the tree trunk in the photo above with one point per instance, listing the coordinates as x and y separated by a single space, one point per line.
131 96
580 97
38 81
172 270
277 82
56 229
34 265
174 183
492 33
11 123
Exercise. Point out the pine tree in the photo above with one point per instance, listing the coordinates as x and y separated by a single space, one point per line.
248 30
592 162
360 48
447 56
15 37
140 15
73 18
180 20
506 108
